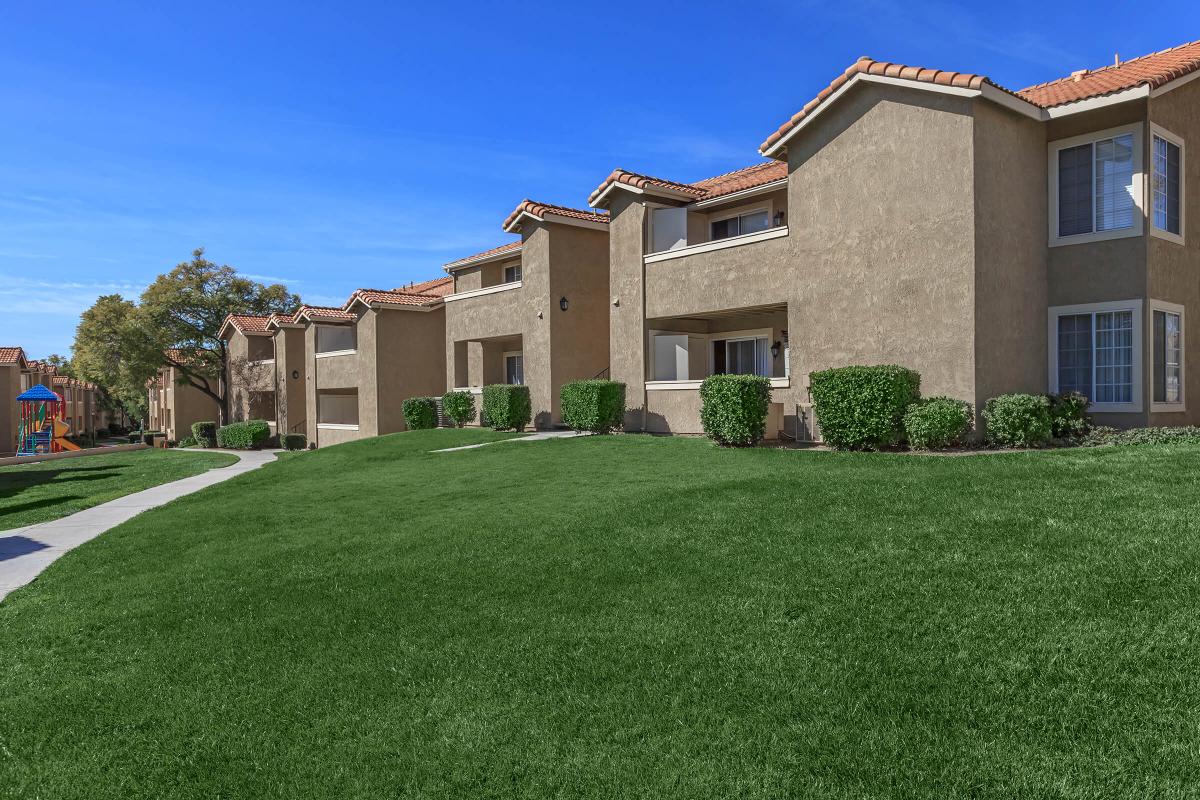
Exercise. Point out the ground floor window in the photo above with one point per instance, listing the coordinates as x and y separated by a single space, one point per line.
514 368
337 407
1167 323
750 355
1095 351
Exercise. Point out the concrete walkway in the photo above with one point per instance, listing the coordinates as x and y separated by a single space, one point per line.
533 437
25 552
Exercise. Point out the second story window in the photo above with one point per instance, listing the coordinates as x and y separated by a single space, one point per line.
1166 189
1095 186
747 222
512 274
335 338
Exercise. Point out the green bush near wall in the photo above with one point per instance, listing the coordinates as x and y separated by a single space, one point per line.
420 413
1068 415
507 406
293 441
459 407
733 408
205 433
593 405
1018 420
936 422
862 408
249 435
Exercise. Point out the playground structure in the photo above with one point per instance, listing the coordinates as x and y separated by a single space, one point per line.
43 429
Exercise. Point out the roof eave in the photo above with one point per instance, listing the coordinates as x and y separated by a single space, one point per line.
476 260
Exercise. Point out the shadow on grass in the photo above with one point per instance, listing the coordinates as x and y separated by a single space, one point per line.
17 546
33 505
13 483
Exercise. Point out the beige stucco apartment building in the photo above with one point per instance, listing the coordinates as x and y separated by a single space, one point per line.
364 359
996 241
534 311
173 406
291 373
250 373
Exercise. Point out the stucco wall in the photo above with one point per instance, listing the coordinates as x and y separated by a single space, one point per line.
10 409
290 400
579 335
410 361
1010 254
1173 270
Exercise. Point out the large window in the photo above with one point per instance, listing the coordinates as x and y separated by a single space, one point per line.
514 368
742 356
1094 351
1095 187
1166 187
337 407
335 338
260 348
746 222
1167 323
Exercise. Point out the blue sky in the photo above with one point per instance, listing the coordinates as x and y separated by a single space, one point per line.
337 146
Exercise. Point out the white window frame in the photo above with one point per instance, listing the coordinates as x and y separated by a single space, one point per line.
1139 186
504 273
740 211
504 360
328 353
759 333
1135 405
1170 308
1177 238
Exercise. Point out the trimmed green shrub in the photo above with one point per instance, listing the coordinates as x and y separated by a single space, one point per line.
147 437
862 408
187 441
935 422
293 441
135 437
507 406
205 433
593 405
420 413
1068 415
1137 436
733 408
249 435
459 407
1018 420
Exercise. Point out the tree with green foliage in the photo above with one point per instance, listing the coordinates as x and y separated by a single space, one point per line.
182 312
102 354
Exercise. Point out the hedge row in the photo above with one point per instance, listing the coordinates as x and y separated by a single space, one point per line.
593 405
293 441
420 413
205 433
459 407
249 435
507 406
862 408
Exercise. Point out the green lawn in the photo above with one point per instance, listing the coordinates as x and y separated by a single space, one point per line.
48 490
624 617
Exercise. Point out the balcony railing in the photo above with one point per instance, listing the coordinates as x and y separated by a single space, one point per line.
718 244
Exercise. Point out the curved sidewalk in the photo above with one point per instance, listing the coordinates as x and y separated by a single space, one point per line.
25 552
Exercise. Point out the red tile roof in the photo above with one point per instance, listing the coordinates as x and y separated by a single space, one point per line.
540 210
392 298
707 189
248 323
324 312
503 249
869 66
11 355
436 287
281 319
1152 70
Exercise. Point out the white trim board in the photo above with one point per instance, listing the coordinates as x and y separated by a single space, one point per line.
500 287
719 244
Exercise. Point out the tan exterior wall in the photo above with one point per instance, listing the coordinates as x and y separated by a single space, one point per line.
557 346
249 374
10 409
291 368
1173 270
1010 254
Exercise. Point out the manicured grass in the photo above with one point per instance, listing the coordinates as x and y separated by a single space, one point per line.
47 490
624 617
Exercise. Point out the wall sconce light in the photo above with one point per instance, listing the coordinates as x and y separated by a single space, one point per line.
775 350
562 303
295 374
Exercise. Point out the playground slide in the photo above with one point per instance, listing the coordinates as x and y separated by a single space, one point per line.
61 431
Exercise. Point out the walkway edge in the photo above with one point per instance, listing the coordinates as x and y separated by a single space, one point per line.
41 544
